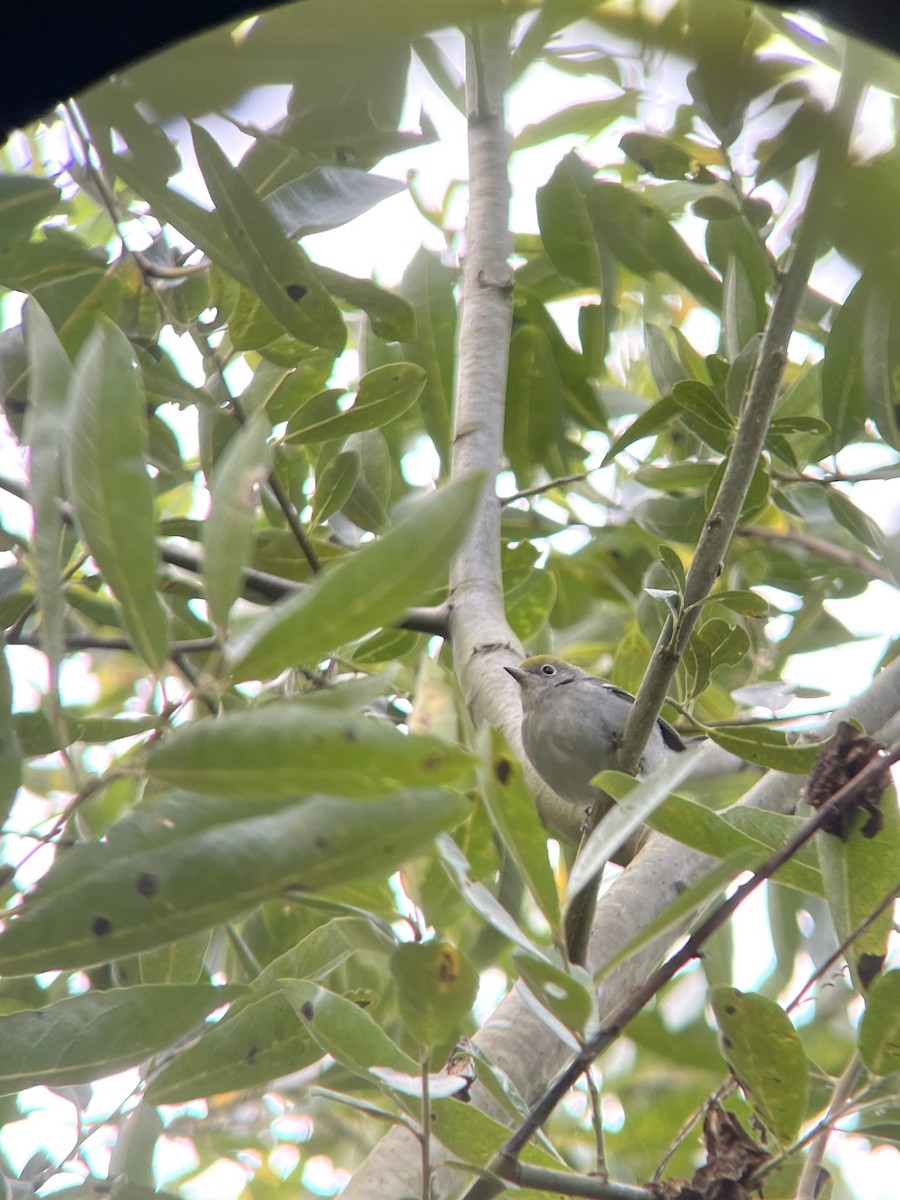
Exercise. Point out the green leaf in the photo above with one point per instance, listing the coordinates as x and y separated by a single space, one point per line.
39 735
324 949
30 266
260 1039
327 197
202 228
566 225
638 232
658 416
726 644
568 995
480 899
736 238
657 155
334 485
855 521
633 806
593 334
251 324
184 862
704 413
799 424
47 432
365 590
111 107
436 988
748 604
801 136
859 872
588 117
528 606
10 757
665 368
534 402
110 490
287 749
879 1029
763 1049
772 830
427 285
390 316
228 530
179 962
274 266
24 201
687 476
881 358
701 828
674 567
384 394
844 403
687 903
366 506
631 658
767 748
82 1038
342 1029
740 323
513 815
249 1047
307 379
674 518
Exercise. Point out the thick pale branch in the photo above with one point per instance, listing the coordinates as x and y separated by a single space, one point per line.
483 642
478 621
654 880
522 1045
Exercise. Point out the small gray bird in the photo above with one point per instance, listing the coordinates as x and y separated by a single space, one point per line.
572 723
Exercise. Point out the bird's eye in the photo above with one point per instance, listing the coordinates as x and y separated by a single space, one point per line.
548 669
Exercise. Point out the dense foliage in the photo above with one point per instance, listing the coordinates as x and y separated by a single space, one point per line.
242 768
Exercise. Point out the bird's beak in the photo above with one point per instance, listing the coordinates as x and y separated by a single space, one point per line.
518 675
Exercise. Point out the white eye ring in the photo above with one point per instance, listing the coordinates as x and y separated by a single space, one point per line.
548 669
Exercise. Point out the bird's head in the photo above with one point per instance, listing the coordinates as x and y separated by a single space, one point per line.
539 675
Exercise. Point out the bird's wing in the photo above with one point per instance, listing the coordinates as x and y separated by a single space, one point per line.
670 736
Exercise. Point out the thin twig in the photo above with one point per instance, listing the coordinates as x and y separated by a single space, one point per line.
601 1170
542 1179
156 271
282 499
845 945
540 488
433 621
756 415
94 785
877 474
642 995
89 641
837 1110
846 558
724 1089
808 1187
245 956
